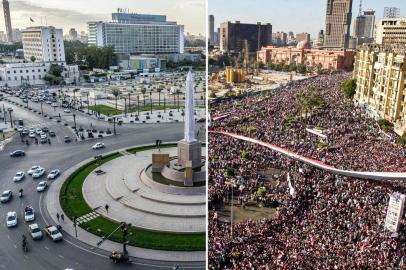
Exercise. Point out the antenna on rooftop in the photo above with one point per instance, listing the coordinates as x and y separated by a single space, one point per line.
360 8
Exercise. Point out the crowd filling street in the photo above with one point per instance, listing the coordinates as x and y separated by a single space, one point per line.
328 221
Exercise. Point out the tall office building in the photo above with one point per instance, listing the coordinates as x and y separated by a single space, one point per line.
391 31
234 35
338 22
7 19
211 30
391 12
303 37
369 23
131 33
73 34
45 43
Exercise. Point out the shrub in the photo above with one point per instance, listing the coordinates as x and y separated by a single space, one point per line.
245 155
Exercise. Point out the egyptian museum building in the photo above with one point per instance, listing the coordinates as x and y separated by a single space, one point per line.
340 59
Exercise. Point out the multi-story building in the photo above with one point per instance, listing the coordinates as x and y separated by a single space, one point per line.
279 39
391 31
44 43
369 23
211 30
302 54
131 33
391 12
234 35
18 74
338 22
73 34
303 37
380 73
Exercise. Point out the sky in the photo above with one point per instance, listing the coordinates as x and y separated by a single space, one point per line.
289 15
76 13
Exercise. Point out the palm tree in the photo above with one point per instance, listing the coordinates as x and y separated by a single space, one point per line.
159 90
143 91
116 93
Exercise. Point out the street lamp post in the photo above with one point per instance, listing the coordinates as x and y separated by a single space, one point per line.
125 107
150 100
138 105
11 119
164 104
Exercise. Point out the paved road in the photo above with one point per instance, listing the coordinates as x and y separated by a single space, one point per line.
70 253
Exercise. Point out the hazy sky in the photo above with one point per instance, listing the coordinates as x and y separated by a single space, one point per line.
289 15
76 13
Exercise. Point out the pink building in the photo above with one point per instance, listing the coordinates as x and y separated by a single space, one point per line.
302 54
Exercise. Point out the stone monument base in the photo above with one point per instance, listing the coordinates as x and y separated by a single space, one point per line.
159 161
190 151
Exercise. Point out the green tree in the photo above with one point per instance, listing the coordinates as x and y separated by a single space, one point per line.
385 124
116 92
33 59
349 87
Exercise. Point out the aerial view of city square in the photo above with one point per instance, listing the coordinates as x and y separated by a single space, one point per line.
103 135
307 134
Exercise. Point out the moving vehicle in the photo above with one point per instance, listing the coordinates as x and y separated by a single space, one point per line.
53 232
6 196
119 257
19 176
54 174
17 153
52 134
38 173
33 169
35 231
67 110
38 131
42 186
98 145
29 214
67 139
11 219
32 135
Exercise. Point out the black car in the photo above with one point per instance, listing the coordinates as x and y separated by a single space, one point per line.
52 134
67 139
45 129
17 153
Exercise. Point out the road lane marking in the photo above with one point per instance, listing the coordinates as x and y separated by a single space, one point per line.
15 246
60 256
47 248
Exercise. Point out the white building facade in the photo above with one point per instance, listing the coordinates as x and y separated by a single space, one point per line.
131 33
20 74
45 43
391 31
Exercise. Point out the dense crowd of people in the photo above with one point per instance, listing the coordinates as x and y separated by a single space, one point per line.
330 221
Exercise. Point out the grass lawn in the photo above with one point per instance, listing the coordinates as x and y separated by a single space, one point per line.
73 204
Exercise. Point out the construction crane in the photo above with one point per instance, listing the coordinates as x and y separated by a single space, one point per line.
360 8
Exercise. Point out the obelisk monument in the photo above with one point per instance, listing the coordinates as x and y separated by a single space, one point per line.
189 149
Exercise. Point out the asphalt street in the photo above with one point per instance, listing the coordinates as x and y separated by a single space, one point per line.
70 253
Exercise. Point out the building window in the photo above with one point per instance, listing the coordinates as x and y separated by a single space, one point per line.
8 71
26 70
39 77
33 76
21 71
15 71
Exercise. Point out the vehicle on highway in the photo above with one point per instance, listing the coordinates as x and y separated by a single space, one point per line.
53 232
25 131
38 131
11 219
20 128
54 174
43 140
51 133
67 139
54 105
10 109
17 153
43 136
48 102
42 186
32 135
35 231
45 129
19 176
67 110
98 145
6 196
33 169
29 214
38 173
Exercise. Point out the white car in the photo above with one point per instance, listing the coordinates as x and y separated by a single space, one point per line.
43 136
11 219
98 145
38 173
35 231
32 135
29 214
33 169
67 110
19 176
38 131
42 186
20 129
32 130
6 196
54 174
54 233
54 105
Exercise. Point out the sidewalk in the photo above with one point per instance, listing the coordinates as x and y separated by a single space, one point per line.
53 206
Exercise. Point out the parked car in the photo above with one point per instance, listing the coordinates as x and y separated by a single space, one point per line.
29 214
35 231
38 173
53 174
52 134
98 145
17 153
19 176
6 196
67 139
53 232
11 219
42 186
33 169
